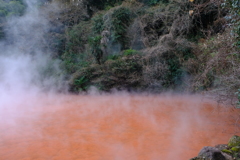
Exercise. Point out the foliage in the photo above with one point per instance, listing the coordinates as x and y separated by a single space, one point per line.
74 61
80 83
194 37
11 7
175 71
234 6
74 39
94 42
74 55
112 57
238 96
150 23
153 2
125 66
96 50
98 24
2 34
120 22
129 52
185 52
102 4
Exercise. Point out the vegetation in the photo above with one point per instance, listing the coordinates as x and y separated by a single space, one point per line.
144 45
153 2
74 56
120 22
238 98
102 4
98 24
129 52
11 7
94 42
234 6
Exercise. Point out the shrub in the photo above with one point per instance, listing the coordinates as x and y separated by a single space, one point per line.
234 6
94 41
11 7
98 24
175 71
184 51
80 84
121 19
96 48
102 4
74 53
153 2
129 52
113 57
238 96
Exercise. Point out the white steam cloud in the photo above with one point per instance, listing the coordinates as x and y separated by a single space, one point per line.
129 127
26 67
25 63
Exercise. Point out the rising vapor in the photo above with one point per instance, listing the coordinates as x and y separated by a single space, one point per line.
36 125
25 61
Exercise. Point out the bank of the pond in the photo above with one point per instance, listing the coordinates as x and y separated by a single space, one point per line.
228 151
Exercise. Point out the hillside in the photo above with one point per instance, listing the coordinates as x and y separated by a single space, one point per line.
139 45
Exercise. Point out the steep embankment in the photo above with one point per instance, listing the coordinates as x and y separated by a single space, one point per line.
140 45
147 45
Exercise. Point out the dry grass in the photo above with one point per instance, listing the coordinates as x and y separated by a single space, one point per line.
155 67
218 66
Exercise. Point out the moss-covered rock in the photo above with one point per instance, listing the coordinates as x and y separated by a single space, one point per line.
211 153
234 141
235 149
222 146
227 151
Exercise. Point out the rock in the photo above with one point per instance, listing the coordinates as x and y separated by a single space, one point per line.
230 151
227 156
234 141
198 158
221 146
211 153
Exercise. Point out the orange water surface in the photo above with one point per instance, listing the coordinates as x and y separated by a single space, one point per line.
112 127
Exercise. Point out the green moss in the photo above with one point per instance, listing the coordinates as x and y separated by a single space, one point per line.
113 57
235 149
129 52
234 141
227 151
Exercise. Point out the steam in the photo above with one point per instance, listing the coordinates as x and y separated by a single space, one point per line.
26 69
25 61
113 127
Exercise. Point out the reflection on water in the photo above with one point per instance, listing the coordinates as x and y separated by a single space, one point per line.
116 127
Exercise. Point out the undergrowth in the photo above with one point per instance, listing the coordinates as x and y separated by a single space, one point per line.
121 19
154 43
